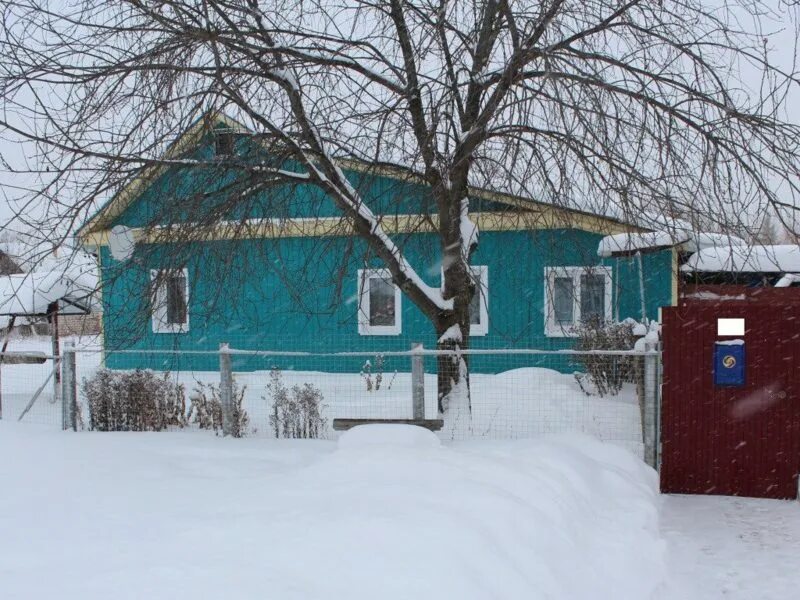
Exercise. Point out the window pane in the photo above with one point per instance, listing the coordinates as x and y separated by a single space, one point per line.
475 303
176 299
381 301
563 300
223 143
593 297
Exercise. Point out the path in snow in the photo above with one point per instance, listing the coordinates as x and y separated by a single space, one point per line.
732 548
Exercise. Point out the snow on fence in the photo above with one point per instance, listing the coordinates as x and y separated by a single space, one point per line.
612 395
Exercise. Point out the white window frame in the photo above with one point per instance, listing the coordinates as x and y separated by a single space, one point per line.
553 329
159 300
364 327
482 274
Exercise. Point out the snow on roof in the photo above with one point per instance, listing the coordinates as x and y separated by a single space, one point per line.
788 280
689 241
70 281
630 242
746 259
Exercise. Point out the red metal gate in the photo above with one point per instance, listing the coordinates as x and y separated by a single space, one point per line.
731 440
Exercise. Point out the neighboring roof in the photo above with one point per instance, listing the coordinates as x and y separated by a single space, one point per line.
8 265
70 282
627 243
115 206
746 259
788 280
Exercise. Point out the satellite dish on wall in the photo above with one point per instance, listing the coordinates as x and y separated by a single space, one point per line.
121 242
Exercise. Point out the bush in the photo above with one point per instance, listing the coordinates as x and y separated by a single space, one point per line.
295 413
367 374
605 374
205 409
133 401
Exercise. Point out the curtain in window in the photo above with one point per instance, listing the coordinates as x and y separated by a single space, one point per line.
176 299
563 300
381 302
593 297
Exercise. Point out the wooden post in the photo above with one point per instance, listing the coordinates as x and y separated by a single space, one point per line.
226 389
650 423
417 382
69 390
52 317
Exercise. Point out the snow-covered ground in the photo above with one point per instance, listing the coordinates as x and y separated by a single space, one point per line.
383 513
519 403
731 548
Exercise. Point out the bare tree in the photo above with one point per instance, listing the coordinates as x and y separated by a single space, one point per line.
625 107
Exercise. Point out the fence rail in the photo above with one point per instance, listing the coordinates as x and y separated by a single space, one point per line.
412 352
512 393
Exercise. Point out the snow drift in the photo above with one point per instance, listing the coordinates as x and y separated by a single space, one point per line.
385 514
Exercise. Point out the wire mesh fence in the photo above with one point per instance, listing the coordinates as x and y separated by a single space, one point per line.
511 394
30 386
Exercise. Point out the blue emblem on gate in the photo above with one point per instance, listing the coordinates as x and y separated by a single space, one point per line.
729 363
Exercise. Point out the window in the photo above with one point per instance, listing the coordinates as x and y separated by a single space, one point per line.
378 303
479 305
170 300
574 295
223 142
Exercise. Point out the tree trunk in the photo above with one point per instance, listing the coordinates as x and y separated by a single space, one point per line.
452 373
453 382
452 331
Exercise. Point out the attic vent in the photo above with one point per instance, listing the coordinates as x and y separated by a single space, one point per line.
223 143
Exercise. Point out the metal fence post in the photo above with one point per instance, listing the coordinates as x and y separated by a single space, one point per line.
658 392
417 382
69 389
226 388
651 404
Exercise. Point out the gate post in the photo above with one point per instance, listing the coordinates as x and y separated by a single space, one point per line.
226 389
417 382
69 389
650 425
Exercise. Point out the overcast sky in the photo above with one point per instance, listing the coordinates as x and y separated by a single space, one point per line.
20 156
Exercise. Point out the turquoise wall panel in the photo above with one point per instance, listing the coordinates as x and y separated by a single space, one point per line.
300 294
182 193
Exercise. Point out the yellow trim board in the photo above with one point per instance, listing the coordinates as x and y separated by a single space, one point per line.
191 137
337 226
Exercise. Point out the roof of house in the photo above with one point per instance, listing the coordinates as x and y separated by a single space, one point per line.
746 259
116 205
70 282
689 241
8 265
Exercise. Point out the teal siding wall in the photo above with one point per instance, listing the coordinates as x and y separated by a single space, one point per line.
181 193
299 294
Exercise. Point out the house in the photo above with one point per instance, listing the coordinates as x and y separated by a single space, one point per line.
284 272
